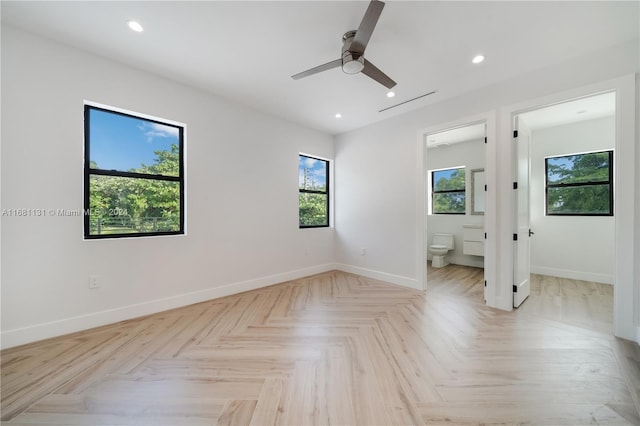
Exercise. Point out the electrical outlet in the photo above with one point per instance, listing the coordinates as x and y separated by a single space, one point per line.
94 281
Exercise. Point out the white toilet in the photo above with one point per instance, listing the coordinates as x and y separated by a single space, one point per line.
439 248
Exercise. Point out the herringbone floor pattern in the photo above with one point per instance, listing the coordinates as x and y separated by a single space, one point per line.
335 349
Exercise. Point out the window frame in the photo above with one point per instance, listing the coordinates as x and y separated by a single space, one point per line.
448 191
88 172
608 182
310 191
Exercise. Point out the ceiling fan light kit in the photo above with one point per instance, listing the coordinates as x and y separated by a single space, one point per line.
354 43
351 64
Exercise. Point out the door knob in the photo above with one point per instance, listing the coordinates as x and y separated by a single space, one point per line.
531 232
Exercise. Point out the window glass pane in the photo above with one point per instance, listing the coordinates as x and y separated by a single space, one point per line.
130 144
449 202
122 205
448 180
589 199
592 167
312 174
313 209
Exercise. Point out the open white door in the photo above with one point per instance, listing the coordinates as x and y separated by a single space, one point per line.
522 267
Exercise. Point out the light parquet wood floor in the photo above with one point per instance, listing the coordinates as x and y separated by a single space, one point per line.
339 349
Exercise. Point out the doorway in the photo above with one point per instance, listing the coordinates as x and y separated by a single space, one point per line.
564 161
454 169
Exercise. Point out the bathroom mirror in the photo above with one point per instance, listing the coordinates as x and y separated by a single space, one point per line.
477 191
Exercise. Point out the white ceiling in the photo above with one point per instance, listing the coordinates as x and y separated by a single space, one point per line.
471 132
588 108
247 51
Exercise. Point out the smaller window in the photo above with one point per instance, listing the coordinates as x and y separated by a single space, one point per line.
313 192
579 184
448 194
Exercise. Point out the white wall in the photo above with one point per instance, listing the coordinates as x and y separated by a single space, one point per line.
373 185
636 236
578 247
380 159
230 246
384 156
471 155
241 197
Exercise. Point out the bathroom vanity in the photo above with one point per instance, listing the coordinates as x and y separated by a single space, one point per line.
473 239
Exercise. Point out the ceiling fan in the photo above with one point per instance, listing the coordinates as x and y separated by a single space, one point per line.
354 43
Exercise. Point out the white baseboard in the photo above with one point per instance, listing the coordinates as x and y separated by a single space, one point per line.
20 336
575 275
377 275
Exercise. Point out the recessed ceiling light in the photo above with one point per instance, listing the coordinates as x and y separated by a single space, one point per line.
135 26
391 94
477 59
338 115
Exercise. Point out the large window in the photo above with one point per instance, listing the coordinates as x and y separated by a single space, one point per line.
448 194
313 192
580 184
133 175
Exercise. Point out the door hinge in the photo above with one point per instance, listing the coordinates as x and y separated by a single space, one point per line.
515 237
515 288
515 185
515 133
485 139
485 235
485 283
485 187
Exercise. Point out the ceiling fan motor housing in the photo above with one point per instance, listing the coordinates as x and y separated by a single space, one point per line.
352 63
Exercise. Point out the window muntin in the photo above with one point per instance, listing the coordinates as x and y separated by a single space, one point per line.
579 184
313 192
448 191
134 175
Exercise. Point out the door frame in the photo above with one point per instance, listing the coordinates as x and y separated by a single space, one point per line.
489 118
625 179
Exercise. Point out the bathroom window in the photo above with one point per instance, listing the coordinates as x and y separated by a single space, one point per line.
133 175
448 194
579 184
313 192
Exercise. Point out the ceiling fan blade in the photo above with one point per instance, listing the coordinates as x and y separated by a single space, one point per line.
373 72
364 31
319 68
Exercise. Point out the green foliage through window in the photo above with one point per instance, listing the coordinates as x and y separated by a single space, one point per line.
580 184
133 175
313 188
448 191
